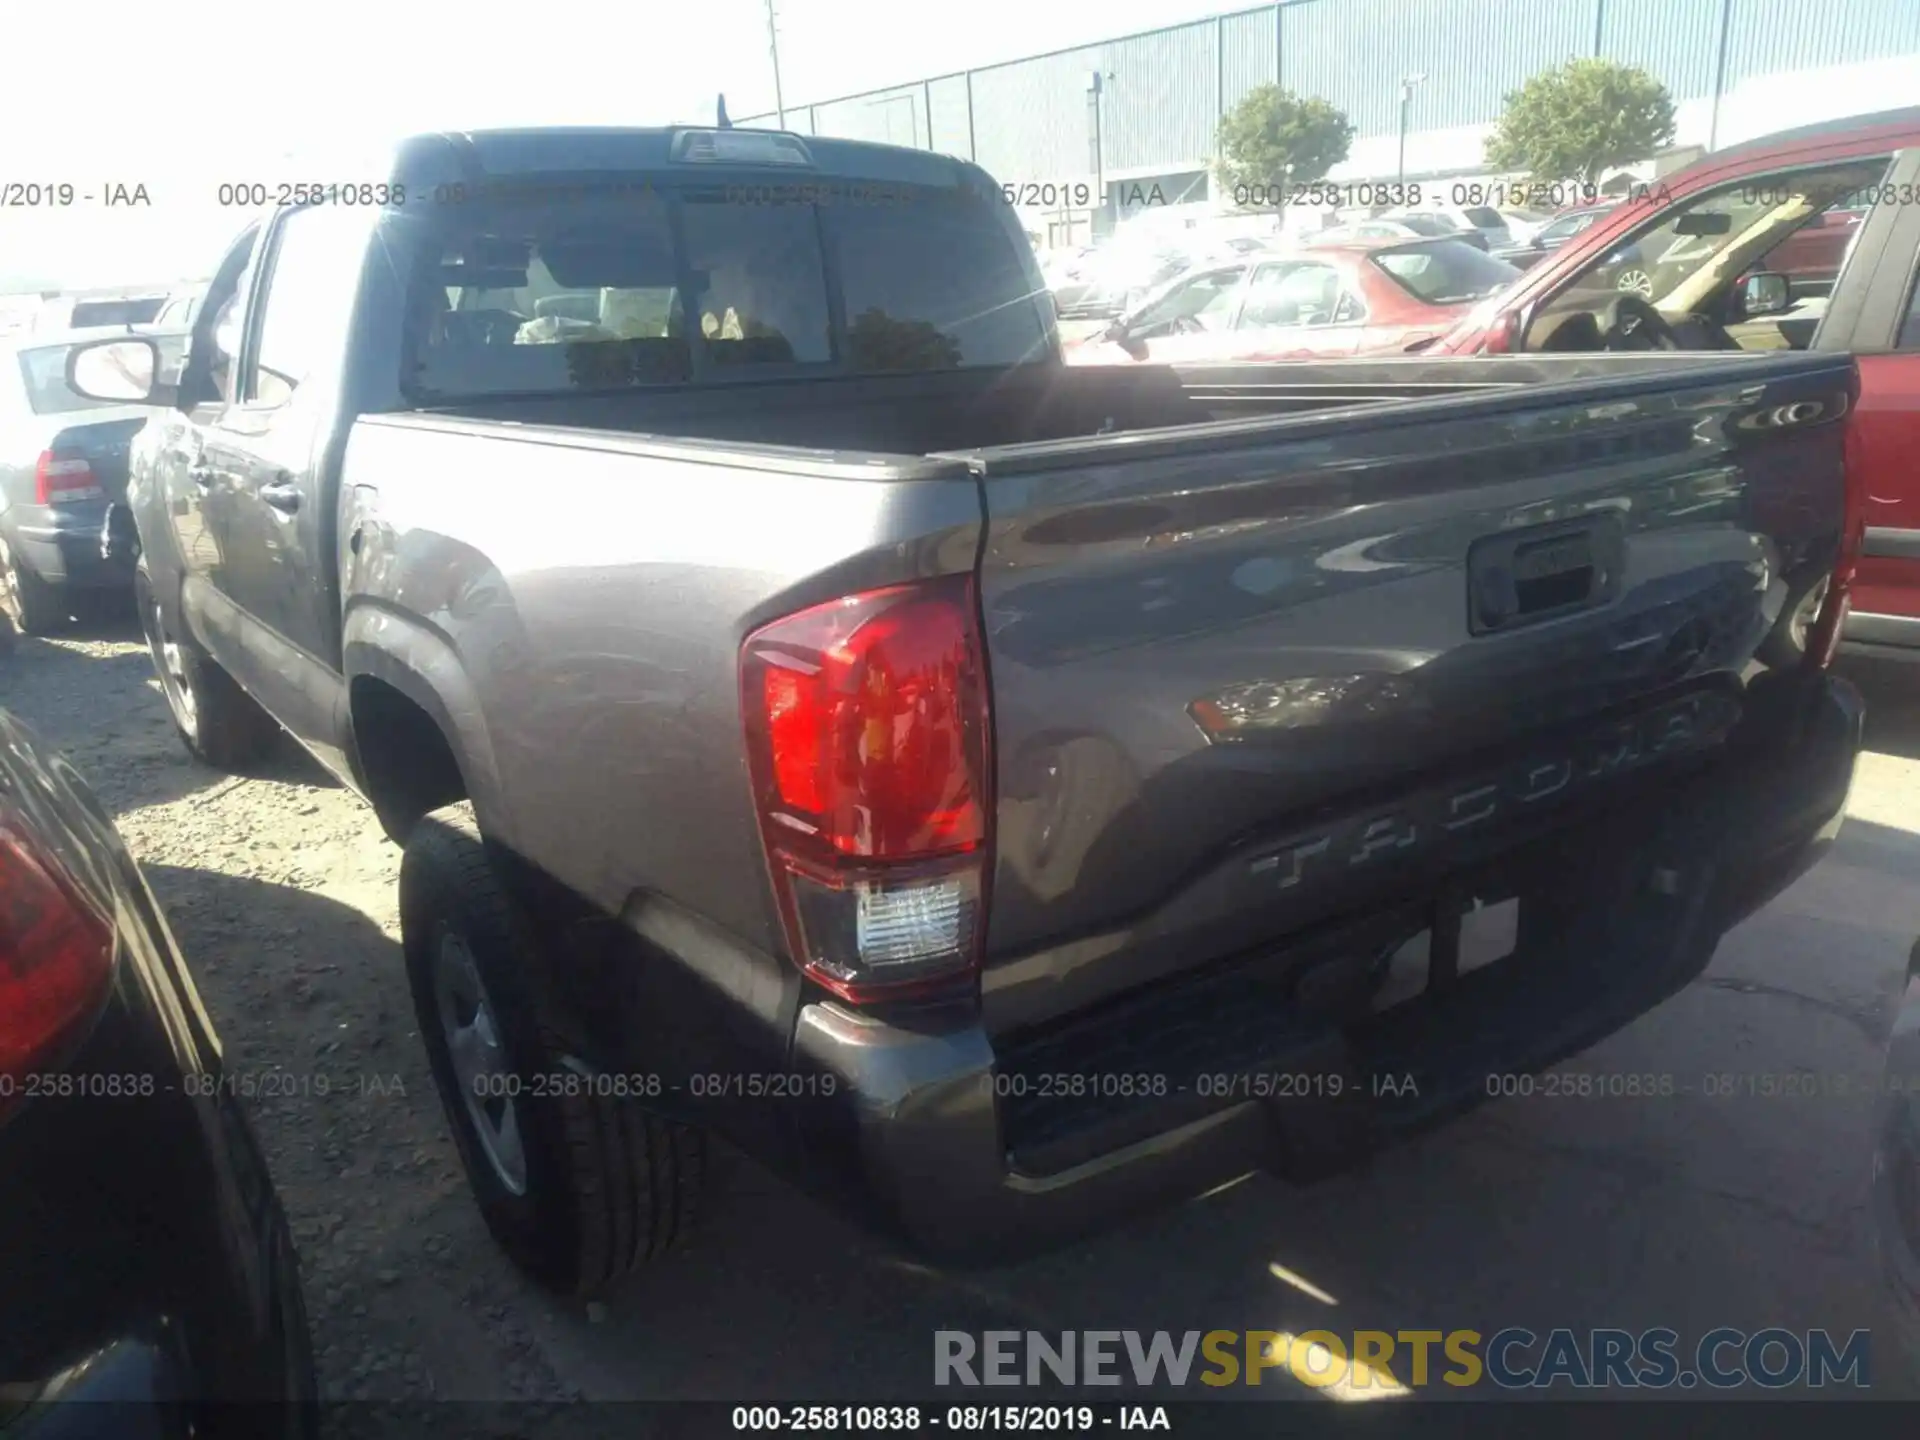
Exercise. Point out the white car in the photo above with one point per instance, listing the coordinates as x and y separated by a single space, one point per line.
1405 227
1465 221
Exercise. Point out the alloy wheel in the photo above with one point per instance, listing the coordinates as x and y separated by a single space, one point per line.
470 1026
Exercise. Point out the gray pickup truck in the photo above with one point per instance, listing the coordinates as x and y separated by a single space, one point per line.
994 794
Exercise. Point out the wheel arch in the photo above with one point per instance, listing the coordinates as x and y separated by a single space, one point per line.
414 719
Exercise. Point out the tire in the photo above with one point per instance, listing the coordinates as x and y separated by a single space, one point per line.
219 723
601 1185
36 606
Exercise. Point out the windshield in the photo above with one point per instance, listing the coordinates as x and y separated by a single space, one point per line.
1702 243
44 370
1434 225
1208 298
1568 225
1449 273
655 286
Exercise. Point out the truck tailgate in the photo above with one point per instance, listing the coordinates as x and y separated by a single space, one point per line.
1250 675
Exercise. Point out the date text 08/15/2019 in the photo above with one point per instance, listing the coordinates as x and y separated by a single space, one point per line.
963 1419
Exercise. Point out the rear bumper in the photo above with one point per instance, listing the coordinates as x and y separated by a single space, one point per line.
1889 637
85 551
1627 909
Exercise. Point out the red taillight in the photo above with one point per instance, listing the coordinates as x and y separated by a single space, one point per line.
56 960
58 479
867 738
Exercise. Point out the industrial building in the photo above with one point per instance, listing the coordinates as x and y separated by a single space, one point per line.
1119 117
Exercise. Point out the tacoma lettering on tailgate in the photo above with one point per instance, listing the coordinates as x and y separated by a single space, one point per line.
1432 817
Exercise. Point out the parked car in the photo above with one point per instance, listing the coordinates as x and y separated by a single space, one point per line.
1327 302
85 310
1696 267
905 715
1360 231
147 1259
1812 256
1550 236
1115 275
1523 224
1479 225
67 539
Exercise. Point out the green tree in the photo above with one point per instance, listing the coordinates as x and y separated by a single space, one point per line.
1584 118
1271 130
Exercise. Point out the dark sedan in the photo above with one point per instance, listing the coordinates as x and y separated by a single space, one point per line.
144 1256
1551 236
65 534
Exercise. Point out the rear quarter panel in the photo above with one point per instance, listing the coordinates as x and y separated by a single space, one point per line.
577 601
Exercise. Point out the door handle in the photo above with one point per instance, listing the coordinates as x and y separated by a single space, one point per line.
285 498
201 475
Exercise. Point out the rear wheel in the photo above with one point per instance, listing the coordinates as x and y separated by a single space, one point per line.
217 721
578 1183
36 606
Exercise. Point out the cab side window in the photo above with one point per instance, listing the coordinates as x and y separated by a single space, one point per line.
214 346
312 280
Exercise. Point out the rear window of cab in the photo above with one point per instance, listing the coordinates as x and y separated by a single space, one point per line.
642 286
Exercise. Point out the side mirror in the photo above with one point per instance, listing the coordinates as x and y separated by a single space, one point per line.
1121 334
123 371
1765 292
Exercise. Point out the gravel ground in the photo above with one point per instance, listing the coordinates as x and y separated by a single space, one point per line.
282 892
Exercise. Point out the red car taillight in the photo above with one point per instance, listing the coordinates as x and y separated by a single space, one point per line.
58 479
868 743
56 959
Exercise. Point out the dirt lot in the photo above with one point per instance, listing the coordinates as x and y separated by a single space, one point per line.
282 893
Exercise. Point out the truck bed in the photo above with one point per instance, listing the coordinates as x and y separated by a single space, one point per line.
955 411
1212 647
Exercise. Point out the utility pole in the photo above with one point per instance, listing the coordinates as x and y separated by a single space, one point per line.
1095 88
773 48
1407 83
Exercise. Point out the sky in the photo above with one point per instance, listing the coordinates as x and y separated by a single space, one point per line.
139 94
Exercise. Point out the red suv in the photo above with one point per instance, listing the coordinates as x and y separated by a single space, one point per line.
1728 254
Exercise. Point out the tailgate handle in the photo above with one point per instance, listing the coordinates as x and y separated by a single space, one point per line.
1543 572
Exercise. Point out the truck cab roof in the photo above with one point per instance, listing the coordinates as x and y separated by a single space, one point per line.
470 156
